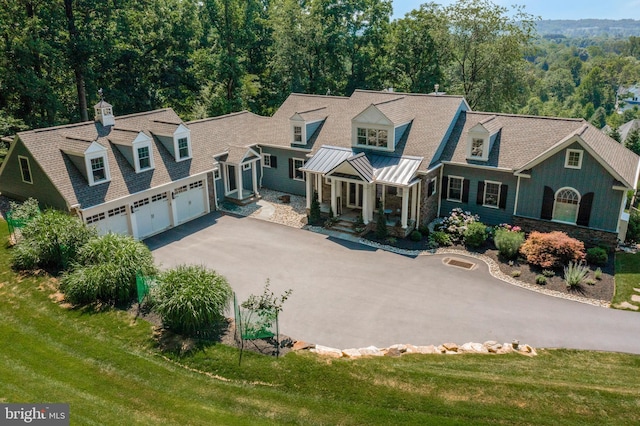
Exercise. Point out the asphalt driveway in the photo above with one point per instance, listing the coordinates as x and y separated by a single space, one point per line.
348 295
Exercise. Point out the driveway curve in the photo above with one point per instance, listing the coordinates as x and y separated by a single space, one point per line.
349 295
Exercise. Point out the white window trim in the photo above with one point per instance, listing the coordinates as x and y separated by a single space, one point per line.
20 158
136 157
555 197
303 133
296 168
390 137
107 172
484 196
435 188
568 154
246 166
266 157
449 188
485 147
216 174
176 142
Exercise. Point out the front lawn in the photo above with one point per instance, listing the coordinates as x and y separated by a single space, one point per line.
627 277
106 366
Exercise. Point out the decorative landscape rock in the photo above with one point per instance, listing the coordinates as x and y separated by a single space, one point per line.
351 353
300 345
476 348
371 351
327 351
626 305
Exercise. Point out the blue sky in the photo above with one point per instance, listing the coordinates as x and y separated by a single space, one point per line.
550 9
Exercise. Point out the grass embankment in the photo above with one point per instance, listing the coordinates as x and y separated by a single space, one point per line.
106 367
627 278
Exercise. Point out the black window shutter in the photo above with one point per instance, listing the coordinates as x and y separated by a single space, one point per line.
274 162
290 168
584 212
445 187
547 204
465 191
430 188
504 190
480 196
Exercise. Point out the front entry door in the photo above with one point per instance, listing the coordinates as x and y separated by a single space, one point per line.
354 198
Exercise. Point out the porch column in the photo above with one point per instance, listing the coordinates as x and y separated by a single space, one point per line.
240 185
405 207
309 189
319 186
338 184
334 201
365 203
414 201
254 176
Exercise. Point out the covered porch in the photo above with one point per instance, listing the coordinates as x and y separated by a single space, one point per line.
239 170
348 182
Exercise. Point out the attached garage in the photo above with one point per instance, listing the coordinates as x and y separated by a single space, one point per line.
114 220
190 201
151 215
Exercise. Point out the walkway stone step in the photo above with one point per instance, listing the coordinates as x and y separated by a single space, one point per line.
626 305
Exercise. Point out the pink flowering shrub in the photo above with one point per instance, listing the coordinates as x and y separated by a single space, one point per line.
552 249
457 223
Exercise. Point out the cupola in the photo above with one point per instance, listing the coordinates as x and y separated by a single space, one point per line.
104 112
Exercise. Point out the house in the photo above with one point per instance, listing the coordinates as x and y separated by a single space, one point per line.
411 157
627 127
627 98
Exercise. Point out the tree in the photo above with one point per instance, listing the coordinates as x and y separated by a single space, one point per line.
633 140
314 211
191 299
381 224
614 133
486 49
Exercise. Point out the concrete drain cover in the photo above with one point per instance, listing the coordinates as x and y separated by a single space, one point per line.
459 263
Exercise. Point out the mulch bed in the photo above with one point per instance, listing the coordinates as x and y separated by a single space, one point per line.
603 289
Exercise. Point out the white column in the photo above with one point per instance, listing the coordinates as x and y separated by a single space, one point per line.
239 174
309 189
365 203
319 186
334 201
338 195
414 201
405 207
254 175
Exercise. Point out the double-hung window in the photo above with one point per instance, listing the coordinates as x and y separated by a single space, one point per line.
454 191
98 170
491 194
144 158
297 173
183 148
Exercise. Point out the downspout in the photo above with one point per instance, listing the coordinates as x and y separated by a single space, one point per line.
515 205
440 191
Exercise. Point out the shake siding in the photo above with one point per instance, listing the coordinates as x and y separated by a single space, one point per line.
488 215
278 178
592 177
42 189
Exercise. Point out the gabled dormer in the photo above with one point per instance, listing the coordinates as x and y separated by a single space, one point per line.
481 137
136 147
304 125
176 138
380 126
90 157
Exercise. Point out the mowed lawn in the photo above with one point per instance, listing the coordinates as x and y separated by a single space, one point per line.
105 365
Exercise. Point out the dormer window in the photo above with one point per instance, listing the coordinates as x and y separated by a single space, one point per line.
183 148
98 170
373 137
573 159
96 164
144 158
477 147
297 134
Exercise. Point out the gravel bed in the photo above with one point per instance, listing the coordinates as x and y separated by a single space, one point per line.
293 214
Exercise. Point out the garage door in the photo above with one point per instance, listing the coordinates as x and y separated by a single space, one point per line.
152 215
113 220
190 201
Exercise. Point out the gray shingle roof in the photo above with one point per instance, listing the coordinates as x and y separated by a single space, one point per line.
627 127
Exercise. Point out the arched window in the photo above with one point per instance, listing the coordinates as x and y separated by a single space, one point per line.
566 204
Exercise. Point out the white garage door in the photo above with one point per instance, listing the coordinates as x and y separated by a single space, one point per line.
152 215
114 220
190 201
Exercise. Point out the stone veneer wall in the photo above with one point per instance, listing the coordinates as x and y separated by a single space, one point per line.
590 237
211 188
429 204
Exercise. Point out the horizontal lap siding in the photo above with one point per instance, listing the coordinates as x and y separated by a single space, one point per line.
42 189
278 178
488 215
592 177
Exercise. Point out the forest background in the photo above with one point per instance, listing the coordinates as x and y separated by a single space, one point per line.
211 57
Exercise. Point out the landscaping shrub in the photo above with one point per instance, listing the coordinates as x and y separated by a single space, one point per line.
191 298
508 242
314 211
633 230
24 211
457 222
597 256
516 274
552 249
415 236
598 274
541 279
381 225
50 241
574 274
548 273
440 239
424 230
106 270
475 235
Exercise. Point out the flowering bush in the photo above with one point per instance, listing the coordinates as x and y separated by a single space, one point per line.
552 249
457 223
507 227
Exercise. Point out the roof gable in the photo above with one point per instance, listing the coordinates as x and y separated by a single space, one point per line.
372 115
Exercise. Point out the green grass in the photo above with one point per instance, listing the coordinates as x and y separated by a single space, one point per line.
106 367
627 277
